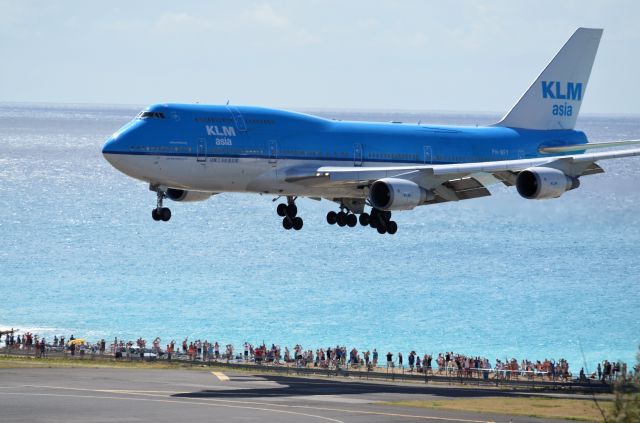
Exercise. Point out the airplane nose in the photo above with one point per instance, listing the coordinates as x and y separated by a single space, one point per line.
109 146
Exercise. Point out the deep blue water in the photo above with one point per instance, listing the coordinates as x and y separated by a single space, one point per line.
498 276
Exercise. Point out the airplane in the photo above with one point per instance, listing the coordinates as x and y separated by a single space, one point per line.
189 152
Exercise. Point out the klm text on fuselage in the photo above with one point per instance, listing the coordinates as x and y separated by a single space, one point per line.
556 90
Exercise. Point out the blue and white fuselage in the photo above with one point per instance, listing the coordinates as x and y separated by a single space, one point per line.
189 152
250 149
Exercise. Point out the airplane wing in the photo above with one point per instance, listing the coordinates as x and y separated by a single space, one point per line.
454 182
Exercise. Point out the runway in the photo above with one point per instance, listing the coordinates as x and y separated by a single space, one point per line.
140 395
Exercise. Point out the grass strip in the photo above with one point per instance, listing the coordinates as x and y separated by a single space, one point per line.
552 408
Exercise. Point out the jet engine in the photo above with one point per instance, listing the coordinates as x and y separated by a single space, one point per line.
187 196
539 183
397 194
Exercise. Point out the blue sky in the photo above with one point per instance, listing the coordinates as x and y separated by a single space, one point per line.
415 55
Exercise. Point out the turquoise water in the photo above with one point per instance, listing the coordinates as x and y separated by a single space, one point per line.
498 277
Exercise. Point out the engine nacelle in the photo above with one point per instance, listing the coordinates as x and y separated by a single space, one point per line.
539 183
187 196
397 194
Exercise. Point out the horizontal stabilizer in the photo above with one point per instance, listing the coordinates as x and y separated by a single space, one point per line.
582 147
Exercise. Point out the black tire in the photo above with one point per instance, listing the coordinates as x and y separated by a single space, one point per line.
332 218
352 220
386 215
373 221
292 210
341 219
165 214
392 227
287 223
155 215
381 229
297 223
364 219
282 210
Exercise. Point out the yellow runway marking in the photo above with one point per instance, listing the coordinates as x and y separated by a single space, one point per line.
221 376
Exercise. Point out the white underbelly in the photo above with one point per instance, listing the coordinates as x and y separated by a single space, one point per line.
221 174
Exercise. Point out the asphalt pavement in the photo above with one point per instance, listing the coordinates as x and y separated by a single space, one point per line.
145 395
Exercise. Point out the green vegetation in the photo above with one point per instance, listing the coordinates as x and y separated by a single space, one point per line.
556 408
626 406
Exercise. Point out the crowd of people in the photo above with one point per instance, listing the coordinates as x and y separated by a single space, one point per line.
338 357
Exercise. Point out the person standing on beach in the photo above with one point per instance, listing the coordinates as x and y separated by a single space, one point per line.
400 359
375 358
389 359
599 372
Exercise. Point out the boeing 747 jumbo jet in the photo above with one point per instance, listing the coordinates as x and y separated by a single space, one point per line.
189 152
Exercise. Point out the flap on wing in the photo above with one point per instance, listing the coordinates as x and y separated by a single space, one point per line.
464 189
593 169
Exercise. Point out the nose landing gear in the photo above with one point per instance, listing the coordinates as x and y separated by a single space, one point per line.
289 213
160 213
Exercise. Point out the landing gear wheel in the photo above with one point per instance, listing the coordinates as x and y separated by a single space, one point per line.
297 223
155 215
342 219
165 214
287 223
332 218
392 227
381 229
292 210
282 210
364 219
352 220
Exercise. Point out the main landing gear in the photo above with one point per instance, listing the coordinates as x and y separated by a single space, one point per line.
161 213
378 219
289 213
342 218
381 221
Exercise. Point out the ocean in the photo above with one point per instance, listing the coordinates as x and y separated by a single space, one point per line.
499 277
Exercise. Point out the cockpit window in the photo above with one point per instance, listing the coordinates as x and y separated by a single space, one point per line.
150 115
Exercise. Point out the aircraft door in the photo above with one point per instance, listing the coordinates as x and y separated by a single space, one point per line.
272 152
357 154
428 154
201 153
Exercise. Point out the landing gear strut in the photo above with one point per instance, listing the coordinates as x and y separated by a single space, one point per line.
289 213
160 213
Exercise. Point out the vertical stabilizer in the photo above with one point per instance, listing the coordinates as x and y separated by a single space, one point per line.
554 99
